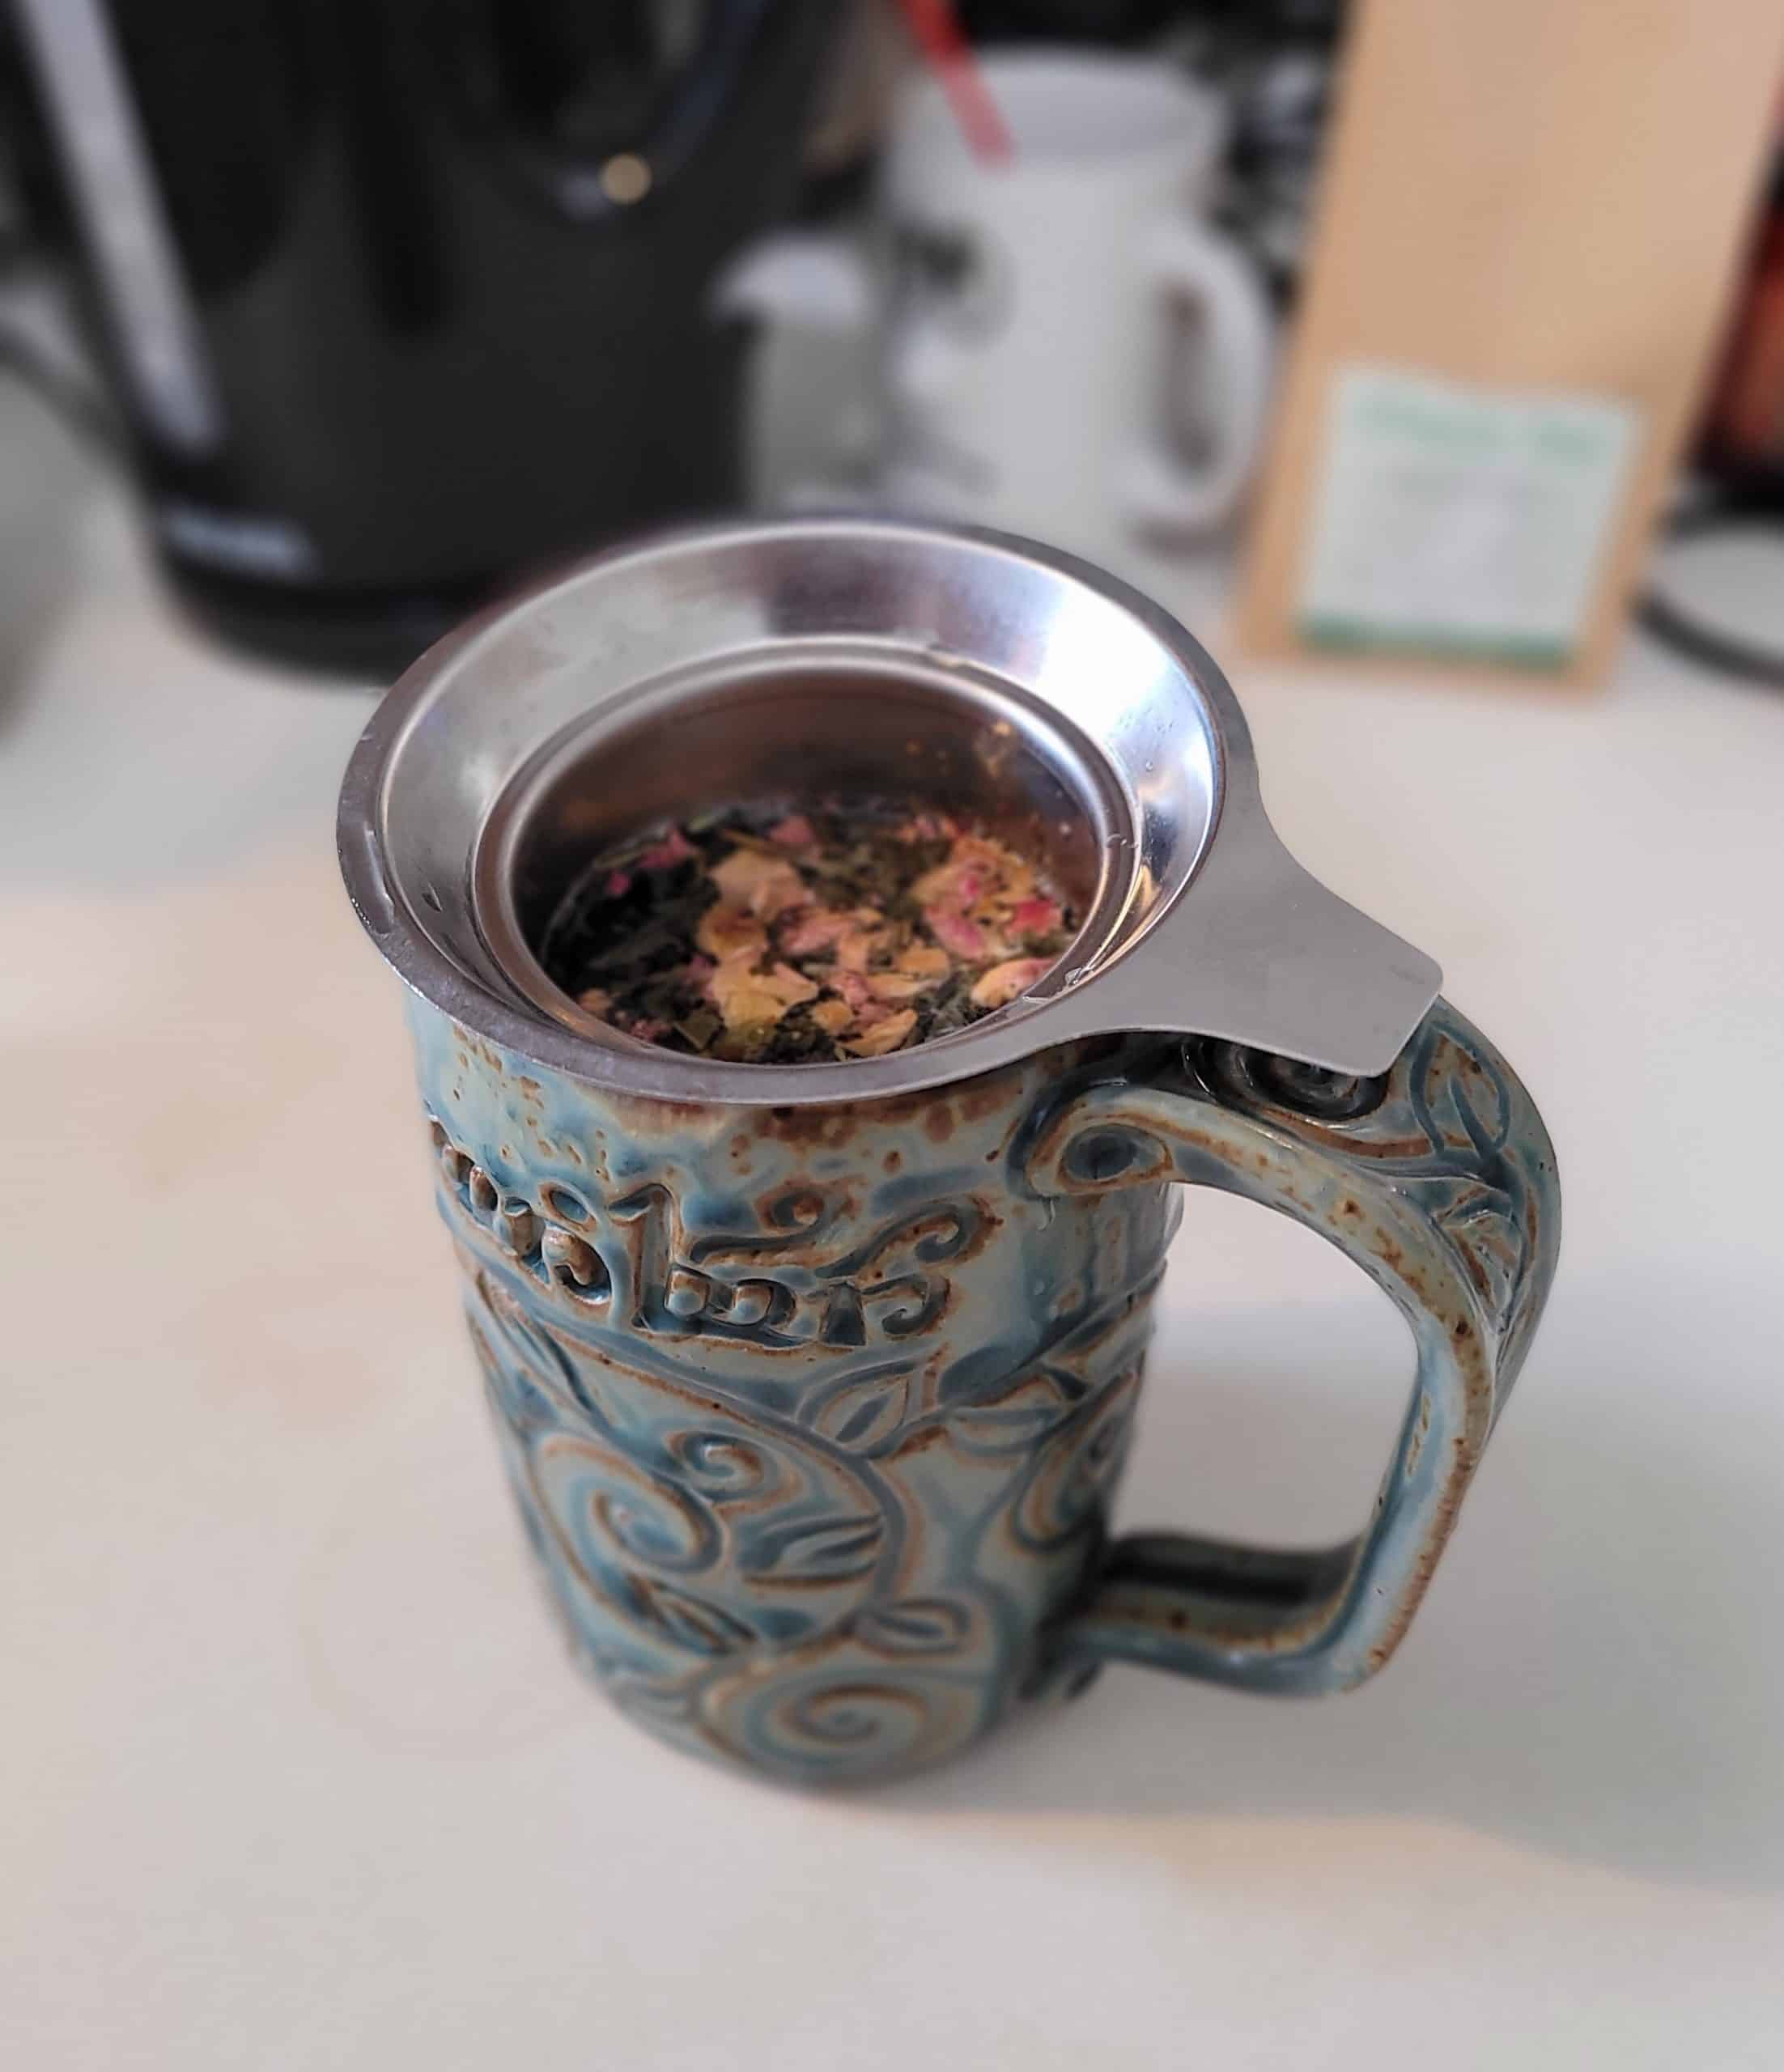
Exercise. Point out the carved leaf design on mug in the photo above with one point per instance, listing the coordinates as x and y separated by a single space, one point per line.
1482 1217
539 1383
1090 1346
628 1521
915 1626
1065 1490
829 1549
862 1410
1007 1426
1455 1074
689 1621
1477 1225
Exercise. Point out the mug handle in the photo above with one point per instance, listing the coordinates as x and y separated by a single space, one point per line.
1196 264
1438 1179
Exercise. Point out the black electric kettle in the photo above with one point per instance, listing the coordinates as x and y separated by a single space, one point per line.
397 297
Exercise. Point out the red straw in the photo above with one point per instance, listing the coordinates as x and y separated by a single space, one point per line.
940 37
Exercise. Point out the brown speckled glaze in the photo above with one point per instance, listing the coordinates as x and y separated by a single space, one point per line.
814 1415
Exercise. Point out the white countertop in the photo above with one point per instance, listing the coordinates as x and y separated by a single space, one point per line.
296 1772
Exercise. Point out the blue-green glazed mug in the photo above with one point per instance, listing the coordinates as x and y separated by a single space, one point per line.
814 1382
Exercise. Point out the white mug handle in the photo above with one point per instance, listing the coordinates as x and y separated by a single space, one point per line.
1189 261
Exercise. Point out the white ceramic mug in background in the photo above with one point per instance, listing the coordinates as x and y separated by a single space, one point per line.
1034 369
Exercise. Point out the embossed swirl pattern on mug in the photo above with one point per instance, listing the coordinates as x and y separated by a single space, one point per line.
816 1439
834 1573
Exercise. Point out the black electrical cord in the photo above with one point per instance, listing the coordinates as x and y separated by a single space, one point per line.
1728 654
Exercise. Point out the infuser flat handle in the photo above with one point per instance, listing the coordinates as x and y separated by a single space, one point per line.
1438 1179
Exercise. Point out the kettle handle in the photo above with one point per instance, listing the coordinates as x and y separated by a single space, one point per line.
1438 1179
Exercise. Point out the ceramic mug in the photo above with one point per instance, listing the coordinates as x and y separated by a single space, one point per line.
1034 367
814 1382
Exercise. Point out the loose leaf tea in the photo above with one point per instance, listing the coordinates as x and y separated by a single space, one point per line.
802 938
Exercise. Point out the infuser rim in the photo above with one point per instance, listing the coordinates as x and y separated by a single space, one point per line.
1087 658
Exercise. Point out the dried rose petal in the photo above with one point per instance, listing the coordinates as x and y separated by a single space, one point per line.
789 985
955 932
744 999
854 979
768 886
674 848
885 1035
859 994
818 930
1004 982
899 986
940 886
1014 874
979 873
855 950
647 1029
727 930
775 896
1035 917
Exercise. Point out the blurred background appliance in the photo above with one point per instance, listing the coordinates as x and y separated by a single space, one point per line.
398 298
390 303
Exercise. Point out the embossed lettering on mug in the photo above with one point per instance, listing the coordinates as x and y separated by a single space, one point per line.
715 1285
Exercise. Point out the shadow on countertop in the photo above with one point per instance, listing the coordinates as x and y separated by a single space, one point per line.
1592 1676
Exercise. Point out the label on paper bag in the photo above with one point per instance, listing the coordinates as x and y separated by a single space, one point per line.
1457 519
